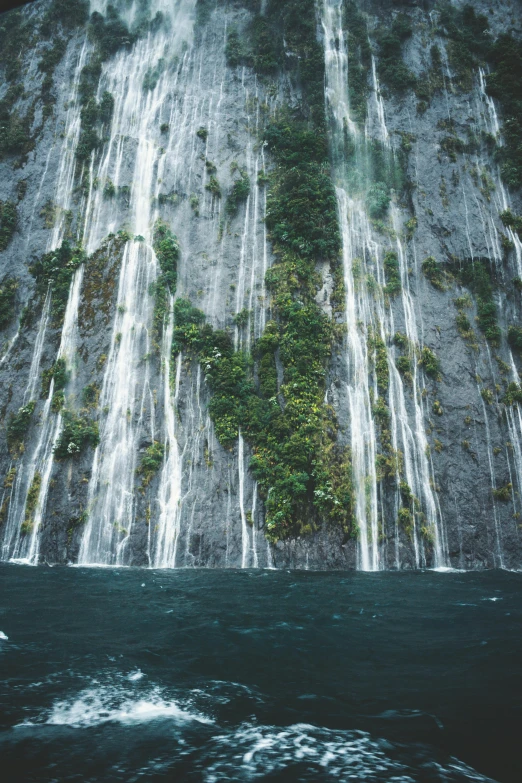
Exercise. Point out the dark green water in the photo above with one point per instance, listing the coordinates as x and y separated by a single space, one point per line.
127 675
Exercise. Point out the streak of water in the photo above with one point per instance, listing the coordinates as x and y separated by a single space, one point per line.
126 393
355 232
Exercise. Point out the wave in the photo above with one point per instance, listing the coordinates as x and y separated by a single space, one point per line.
249 751
97 705
253 752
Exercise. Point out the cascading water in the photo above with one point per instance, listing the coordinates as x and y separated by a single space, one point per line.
413 440
127 395
355 235
21 537
367 313
169 496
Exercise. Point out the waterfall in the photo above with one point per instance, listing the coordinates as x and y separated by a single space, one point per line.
417 467
127 395
180 149
356 237
169 495
368 313
22 533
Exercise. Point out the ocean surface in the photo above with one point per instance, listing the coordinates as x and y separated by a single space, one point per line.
133 675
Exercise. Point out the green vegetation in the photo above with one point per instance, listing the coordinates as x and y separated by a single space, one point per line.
213 187
379 357
17 36
437 408
468 40
359 59
452 145
470 44
108 34
430 363
50 213
239 193
167 252
59 374
31 503
15 129
290 25
68 13
94 116
504 493
226 371
301 204
151 461
91 395
410 512
404 366
204 9
294 452
373 172
405 520
234 50
378 200
265 52
241 319
431 81
393 274
47 65
393 73
477 276
302 474
435 273
54 271
202 134
18 425
514 337
78 432
510 220
505 84
401 340
8 290
464 326
151 78
8 221
109 191
15 39
404 363
513 394
388 462
462 321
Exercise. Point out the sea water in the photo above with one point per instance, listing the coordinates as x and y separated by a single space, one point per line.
135 675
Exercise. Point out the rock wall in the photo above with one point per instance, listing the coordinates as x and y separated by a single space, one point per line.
184 126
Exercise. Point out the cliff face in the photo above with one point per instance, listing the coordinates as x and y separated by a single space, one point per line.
261 285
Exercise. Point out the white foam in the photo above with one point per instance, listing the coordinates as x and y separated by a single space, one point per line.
136 675
448 570
108 566
96 706
252 752
3 637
